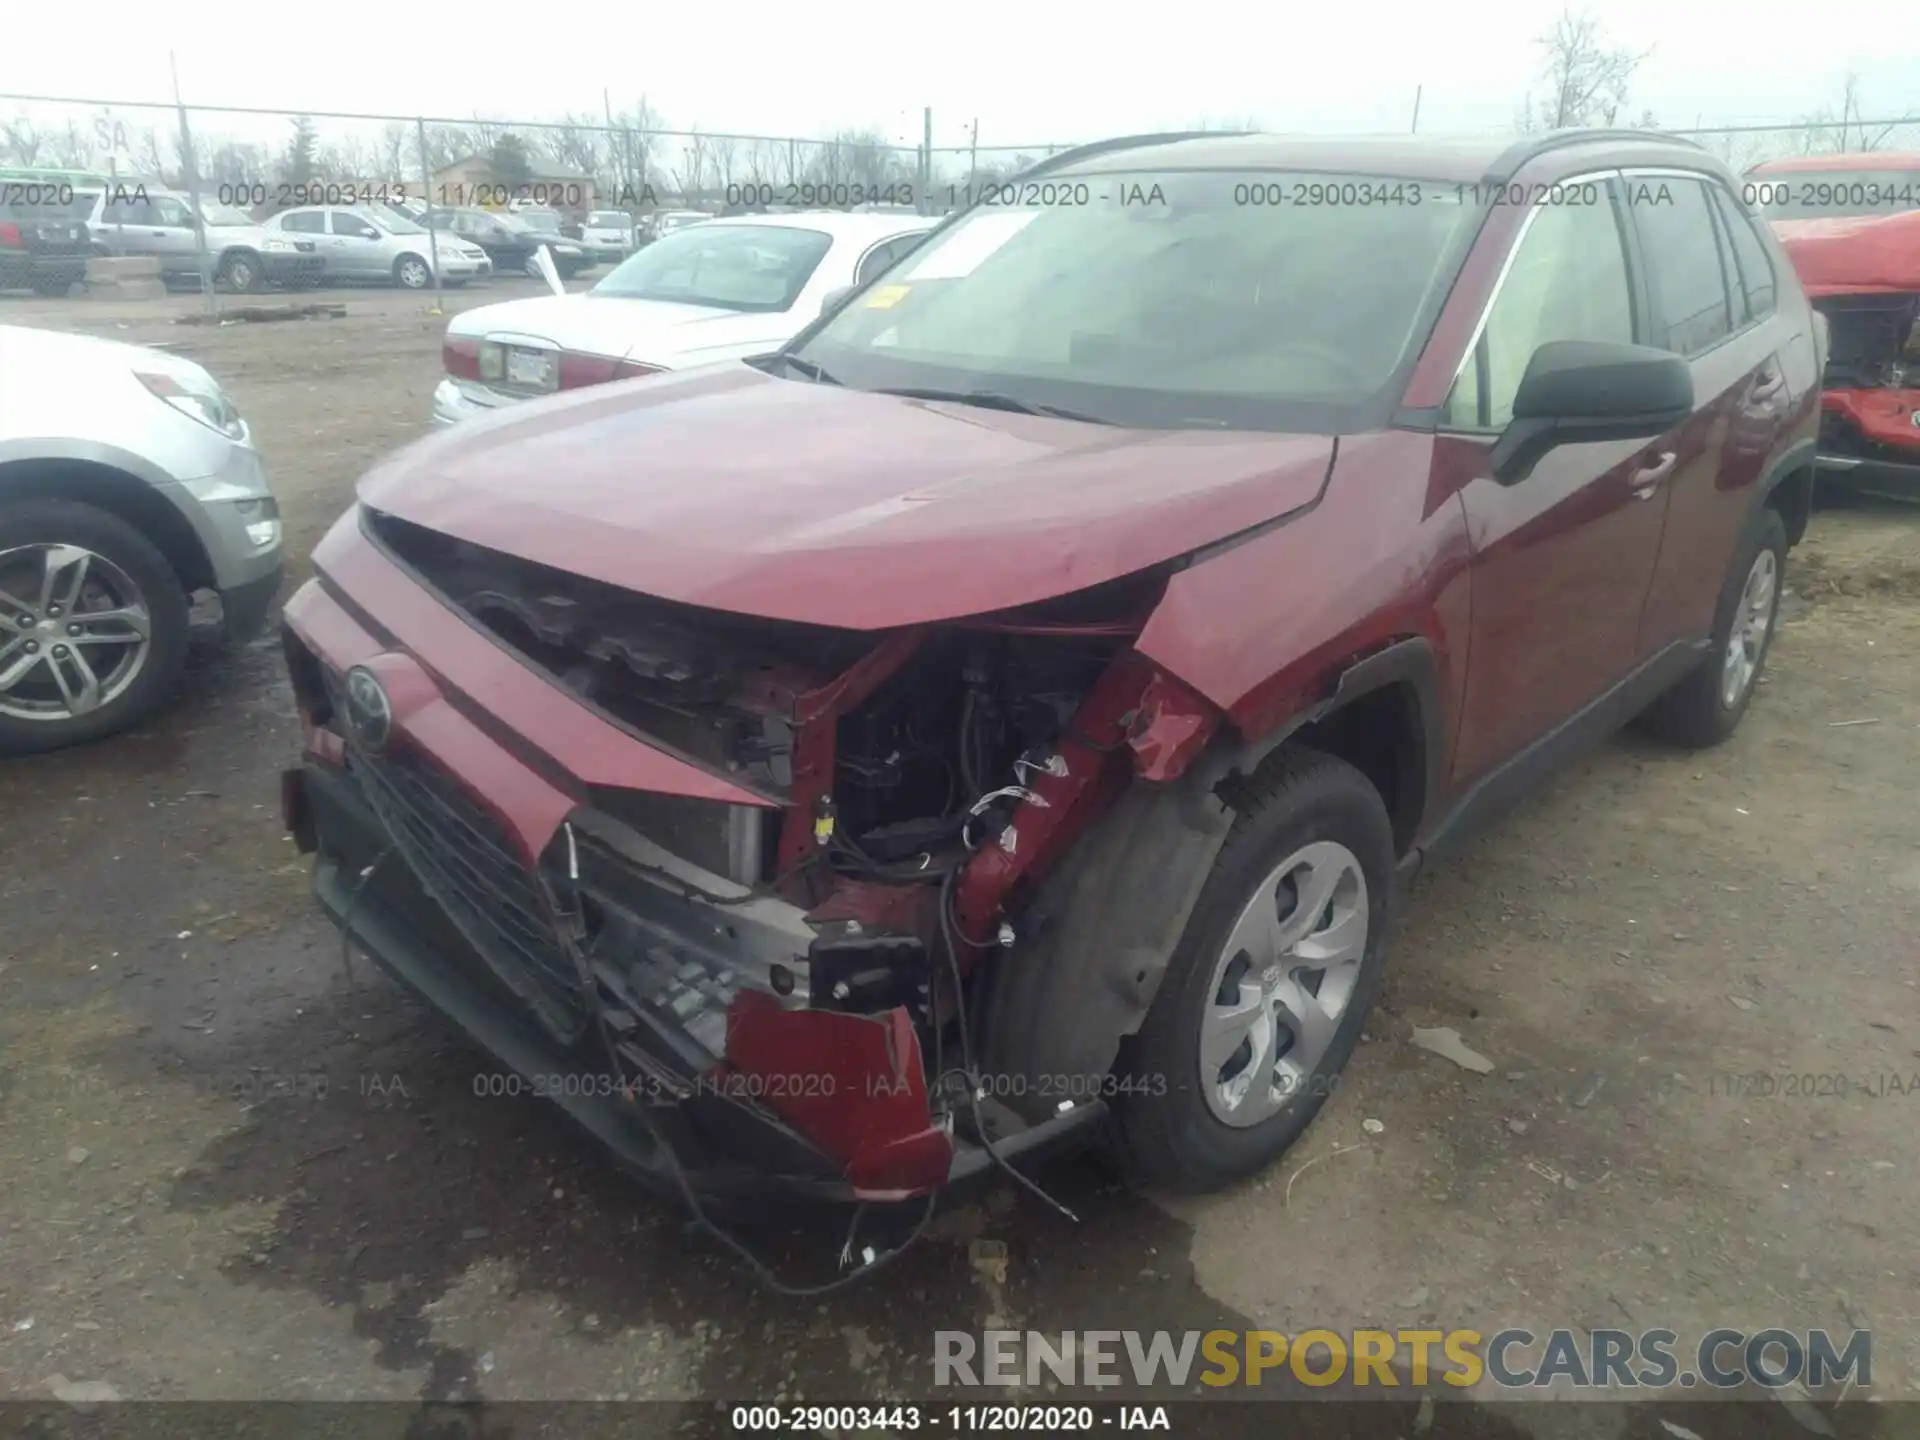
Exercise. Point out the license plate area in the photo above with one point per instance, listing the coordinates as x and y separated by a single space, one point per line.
530 369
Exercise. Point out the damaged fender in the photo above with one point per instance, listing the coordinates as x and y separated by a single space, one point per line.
1102 930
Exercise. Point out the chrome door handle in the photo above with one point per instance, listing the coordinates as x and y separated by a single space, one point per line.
1646 480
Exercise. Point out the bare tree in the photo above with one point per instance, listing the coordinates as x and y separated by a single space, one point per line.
151 153
348 158
760 166
399 153
578 145
69 148
634 147
692 175
1585 76
1825 132
20 141
231 162
485 134
830 163
723 153
448 143
796 161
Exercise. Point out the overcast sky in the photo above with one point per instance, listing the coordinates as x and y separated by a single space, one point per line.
1030 72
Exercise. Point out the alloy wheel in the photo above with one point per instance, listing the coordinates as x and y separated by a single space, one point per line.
1751 622
75 632
1284 980
413 274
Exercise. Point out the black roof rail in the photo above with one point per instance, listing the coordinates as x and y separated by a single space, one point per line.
1118 142
1531 147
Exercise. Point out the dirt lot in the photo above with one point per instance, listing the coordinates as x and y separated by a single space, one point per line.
230 1173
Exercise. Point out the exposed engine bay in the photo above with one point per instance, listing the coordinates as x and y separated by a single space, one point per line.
1870 402
1873 341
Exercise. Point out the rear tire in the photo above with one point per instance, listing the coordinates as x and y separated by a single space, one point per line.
242 273
1309 864
52 289
410 272
1706 707
118 559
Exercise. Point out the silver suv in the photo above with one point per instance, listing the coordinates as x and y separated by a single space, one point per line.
368 243
128 482
134 219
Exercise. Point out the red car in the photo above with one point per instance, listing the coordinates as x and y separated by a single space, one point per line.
1851 226
1016 704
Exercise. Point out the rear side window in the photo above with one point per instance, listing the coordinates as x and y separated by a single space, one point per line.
1756 284
129 212
169 211
1567 281
1683 262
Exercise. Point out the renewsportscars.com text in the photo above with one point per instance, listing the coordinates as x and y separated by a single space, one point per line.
1722 1359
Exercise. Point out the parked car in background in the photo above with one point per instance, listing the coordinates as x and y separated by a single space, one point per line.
509 242
1053 665
665 222
371 245
1851 227
243 256
711 292
608 235
128 482
42 247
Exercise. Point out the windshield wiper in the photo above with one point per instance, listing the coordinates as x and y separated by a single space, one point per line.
806 367
992 400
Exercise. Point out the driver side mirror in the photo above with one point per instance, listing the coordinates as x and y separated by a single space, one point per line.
367 232
835 298
1583 390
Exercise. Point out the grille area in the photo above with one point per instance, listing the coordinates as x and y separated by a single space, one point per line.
464 862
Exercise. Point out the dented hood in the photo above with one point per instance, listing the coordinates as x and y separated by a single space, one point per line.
1856 255
727 488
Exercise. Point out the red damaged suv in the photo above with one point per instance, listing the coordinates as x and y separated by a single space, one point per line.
1850 225
1007 714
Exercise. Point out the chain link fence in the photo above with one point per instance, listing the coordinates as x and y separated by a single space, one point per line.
148 177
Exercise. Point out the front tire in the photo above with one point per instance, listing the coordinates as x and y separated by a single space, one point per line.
1707 706
93 625
1270 983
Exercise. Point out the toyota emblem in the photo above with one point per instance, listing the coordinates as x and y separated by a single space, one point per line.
369 712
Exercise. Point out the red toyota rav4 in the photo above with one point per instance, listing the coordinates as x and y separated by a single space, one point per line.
1007 714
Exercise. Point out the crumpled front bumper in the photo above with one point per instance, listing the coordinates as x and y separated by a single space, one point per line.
1870 439
728 1151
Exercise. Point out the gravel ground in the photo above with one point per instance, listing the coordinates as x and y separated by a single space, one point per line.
235 1171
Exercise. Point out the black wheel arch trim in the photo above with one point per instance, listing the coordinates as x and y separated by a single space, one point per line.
1102 929
1801 456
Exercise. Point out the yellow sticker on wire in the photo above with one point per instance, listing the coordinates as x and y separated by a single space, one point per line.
888 296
